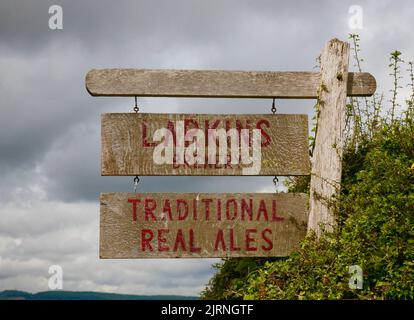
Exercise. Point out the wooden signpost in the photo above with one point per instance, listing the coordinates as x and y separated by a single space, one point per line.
167 225
201 225
327 155
128 144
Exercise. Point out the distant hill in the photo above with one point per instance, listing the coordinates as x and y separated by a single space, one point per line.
74 295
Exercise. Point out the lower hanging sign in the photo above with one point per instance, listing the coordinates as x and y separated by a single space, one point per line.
201 225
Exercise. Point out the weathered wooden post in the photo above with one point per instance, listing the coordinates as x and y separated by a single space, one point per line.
327 156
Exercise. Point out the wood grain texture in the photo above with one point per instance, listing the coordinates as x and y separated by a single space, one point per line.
126 138
223 234
327 156
216 84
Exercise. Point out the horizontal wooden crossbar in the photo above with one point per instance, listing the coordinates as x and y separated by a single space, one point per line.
218 84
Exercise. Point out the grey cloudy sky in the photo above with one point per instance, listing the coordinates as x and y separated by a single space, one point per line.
50 126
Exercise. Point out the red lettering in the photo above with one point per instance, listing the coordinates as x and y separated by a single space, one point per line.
207 127
195 206
220 239
239 127
170 126
179 241
145 143
219 209
232 244
266 140
265 238
146 241
182 209
247 208
234 216
249 239
228 164
134 208
150 205
167 209
227 125
175 164
162 239
193 248
262 209
187 123
207 207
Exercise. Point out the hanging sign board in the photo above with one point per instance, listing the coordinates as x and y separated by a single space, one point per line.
201 225
204 144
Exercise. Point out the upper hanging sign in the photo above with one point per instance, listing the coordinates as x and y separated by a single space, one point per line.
206 145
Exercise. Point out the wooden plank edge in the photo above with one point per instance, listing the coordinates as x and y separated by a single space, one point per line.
355 88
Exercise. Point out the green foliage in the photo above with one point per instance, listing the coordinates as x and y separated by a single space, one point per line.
375 222
377 233
232 273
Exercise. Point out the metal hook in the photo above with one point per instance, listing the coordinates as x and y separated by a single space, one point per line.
136 181
273 107
276 182
136 109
